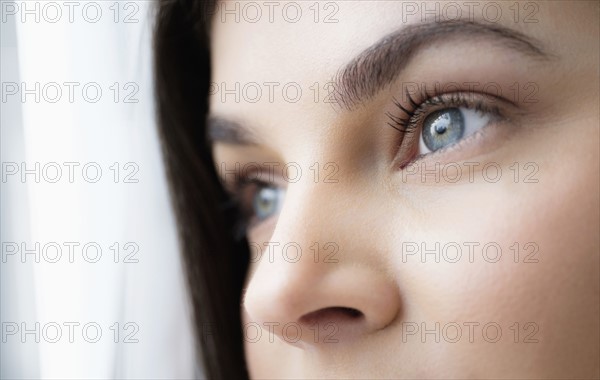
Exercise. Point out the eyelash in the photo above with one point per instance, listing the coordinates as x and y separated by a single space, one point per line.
408 121
411 116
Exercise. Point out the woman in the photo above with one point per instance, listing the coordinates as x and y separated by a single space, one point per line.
389 189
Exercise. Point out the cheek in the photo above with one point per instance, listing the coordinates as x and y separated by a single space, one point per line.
508 252
505 245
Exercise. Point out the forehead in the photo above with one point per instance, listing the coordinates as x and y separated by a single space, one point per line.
282 41
279 40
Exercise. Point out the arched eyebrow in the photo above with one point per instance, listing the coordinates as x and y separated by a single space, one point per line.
384 61
381 63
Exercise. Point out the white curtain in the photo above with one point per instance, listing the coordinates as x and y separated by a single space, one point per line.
77 96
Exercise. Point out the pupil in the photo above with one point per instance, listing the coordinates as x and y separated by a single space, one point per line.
440 128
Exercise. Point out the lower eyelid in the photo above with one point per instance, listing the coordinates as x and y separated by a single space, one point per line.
257 227
466 148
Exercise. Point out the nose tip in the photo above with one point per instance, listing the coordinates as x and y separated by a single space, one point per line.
307 305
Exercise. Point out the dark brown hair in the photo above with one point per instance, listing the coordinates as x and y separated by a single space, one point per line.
215 262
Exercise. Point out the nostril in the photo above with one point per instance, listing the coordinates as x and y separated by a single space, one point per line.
332 314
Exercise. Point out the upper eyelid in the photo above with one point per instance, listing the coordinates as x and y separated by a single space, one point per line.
425 99
249 178
228 131
425 95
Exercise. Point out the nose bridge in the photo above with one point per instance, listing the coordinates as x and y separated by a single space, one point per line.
307 224
304 249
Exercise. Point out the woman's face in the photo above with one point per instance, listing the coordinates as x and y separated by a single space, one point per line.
421 196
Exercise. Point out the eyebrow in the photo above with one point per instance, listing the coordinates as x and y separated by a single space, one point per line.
380 64
228 131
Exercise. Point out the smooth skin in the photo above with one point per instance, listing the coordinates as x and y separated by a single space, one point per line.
369 305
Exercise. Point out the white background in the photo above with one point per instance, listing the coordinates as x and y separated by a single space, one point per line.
149 294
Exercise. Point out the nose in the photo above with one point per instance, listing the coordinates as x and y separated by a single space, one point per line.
321 279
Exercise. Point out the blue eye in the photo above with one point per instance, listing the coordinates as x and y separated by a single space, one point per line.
267 201
448 126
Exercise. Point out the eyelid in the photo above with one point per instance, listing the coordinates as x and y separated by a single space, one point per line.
255 175
411 108
412 113
242 187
